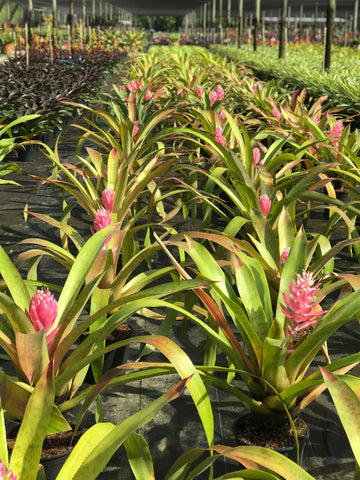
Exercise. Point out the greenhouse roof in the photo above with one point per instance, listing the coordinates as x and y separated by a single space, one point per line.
173 7
181 7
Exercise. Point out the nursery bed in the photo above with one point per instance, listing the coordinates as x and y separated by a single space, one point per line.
177 427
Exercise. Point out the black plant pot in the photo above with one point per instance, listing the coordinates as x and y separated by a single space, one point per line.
57 447
278 435
52 465
117 356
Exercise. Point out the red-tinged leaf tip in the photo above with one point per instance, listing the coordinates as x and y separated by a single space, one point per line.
326 374
190 242
238 263
177 389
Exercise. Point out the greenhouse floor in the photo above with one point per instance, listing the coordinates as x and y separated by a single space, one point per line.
177 427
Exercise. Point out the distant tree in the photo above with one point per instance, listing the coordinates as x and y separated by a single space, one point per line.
167 23
144 22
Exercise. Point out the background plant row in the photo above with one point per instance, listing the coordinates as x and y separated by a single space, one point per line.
303 68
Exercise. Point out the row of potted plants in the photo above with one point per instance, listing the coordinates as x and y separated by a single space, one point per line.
185 133
301 69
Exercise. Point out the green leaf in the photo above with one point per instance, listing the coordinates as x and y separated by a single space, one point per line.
14 281
3 447
139 457
254 292
348 407
80 269
99 443
255 457
26 454
294 264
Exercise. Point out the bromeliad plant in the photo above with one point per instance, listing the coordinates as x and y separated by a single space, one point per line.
9 142
272 360
37 330
92 452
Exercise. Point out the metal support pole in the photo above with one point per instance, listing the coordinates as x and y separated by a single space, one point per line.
330 21
256 22
283 27
356 14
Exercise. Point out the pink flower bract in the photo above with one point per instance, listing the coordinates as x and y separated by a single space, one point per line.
103 219
256 155
337 130
284 255
199 91
220 92
43 312
212 97
300 305
107 199
219 137
132 86
265 204
148 95
136 129
276 113
4 474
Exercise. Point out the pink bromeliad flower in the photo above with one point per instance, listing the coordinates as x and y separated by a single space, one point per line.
199 91
103 219
4 474
256 155
223 115
42 313
132 86
148 95
315 120
276 113
136 128
335 135
219 137
212 97
265 204
220 92
107 199
300 305
257 86
337 130
284 255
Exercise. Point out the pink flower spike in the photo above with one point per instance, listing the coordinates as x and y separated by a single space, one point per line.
132 86
107 199
256 155
220 92
337 130
315 120
148 95
212 97
223 115
136 129
43 312
4 473
199 91
103 219
219 137
300 306
265 204
276 113
284 255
